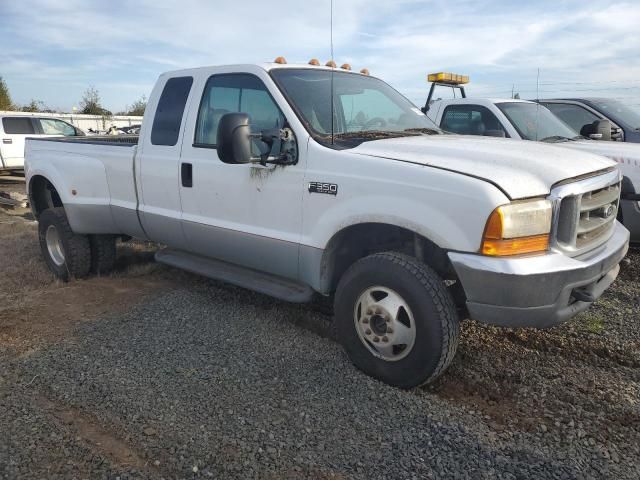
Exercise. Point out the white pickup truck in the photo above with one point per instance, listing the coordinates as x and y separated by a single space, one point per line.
524 120
15 127
295 180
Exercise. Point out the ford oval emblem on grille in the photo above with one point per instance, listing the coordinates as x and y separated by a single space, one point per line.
608 210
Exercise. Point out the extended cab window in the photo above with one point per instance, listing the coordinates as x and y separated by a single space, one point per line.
228 93
18 125
51 126
168 118
573 115
471 120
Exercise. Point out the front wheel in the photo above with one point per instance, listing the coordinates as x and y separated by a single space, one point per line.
67 254
396 319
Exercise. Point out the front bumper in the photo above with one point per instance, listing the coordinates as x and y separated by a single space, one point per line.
538 291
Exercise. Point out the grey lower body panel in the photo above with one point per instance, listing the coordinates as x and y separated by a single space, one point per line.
538 291
163 229
631 217
264 254
104 219
127 222
91 219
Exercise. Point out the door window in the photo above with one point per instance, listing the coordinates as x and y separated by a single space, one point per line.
235 93
51 126
18 125
168 118
470 120
573 115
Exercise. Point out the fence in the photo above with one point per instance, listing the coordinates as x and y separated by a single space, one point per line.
85 122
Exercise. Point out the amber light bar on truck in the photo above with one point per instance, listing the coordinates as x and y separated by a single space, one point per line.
448 78
445 79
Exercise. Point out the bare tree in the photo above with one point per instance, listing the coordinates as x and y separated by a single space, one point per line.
138 107
35 106
90 103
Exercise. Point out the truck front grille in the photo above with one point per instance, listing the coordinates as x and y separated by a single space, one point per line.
585 213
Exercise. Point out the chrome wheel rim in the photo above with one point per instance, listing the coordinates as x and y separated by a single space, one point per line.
54 245
384 323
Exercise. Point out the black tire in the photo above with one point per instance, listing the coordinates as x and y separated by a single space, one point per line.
437 326
103 253
76 261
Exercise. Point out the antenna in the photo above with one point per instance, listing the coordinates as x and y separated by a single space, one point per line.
537 100
332 72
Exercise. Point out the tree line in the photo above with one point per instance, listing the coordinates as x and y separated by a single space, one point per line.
90 104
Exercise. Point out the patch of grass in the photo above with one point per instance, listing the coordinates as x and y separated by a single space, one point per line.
23 269
594 324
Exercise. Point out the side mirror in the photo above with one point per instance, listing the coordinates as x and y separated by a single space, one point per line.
234 142
598 130
494 133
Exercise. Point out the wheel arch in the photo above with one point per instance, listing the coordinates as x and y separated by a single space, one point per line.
359 240
42 195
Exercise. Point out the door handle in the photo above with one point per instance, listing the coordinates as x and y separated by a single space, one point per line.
186 173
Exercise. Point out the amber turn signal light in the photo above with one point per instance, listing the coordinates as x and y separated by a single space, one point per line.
518 228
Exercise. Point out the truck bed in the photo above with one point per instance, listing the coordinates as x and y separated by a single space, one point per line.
94 179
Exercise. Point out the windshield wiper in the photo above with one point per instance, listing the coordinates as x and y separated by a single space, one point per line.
555 138
426 131
374 134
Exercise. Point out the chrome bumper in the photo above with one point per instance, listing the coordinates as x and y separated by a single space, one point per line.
538 291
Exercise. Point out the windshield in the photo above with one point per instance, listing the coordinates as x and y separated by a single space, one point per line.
536 122
618 112
364 108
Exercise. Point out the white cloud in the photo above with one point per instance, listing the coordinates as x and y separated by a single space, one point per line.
499 43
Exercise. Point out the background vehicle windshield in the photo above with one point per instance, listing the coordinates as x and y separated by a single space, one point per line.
619 112
360 104
536 122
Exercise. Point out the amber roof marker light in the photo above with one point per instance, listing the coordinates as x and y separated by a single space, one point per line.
280 60
315 62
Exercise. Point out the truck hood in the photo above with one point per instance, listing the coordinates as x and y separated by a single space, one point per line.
519 169
626 155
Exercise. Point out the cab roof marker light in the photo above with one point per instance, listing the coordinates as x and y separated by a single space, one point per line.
345 66
448 78
364 71
331 64
280 60
315 62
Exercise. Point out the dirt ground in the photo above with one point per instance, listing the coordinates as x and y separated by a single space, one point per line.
572 393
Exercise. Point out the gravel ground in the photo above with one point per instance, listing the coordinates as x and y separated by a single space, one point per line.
154 373
205 380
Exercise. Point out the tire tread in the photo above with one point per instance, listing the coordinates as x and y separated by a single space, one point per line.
443 302
78 256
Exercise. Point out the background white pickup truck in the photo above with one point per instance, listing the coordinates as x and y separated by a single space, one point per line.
295 180
14 129
524 120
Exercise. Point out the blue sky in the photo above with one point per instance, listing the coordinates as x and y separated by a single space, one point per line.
53 50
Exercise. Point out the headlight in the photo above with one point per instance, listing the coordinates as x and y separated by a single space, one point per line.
518 228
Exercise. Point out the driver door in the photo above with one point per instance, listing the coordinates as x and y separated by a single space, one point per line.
247 214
